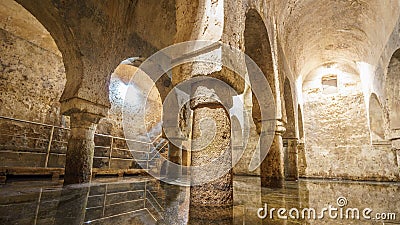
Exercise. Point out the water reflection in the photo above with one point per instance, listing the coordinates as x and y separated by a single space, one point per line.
319 194
143 200
71 209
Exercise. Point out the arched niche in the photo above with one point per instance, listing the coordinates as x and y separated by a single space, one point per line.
376 119
258 48
393 91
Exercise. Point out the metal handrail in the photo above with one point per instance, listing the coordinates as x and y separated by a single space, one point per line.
53 127
159 151
66 128
31 122
50 141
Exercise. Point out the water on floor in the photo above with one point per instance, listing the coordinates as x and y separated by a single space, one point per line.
143 200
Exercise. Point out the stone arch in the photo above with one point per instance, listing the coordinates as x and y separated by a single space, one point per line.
52 17
116 28
393 91
31 84
258 47
146 124
93 38
376 118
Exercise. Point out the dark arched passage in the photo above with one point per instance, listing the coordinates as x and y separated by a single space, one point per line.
393 91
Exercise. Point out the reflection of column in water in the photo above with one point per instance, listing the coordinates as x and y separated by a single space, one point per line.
175 159
291 158
176 207
71 208
272 167
247 198
287 197
200 215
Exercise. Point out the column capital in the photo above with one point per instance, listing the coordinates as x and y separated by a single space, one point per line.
78 105
84 120
204 96
396 144
394 134
280 129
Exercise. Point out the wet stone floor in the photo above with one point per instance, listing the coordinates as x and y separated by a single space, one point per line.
144 200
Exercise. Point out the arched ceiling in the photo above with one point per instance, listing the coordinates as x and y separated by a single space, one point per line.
18 21
316 33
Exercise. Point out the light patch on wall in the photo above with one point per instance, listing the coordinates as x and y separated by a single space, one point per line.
329 84
119 89
366 72
238 108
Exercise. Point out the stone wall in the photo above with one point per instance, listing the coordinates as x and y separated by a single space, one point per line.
337 143
31 80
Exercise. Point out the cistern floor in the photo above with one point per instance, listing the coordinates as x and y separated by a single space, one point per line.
144 200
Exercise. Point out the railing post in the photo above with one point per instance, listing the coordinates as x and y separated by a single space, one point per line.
145 194
49 147
111 150
148 156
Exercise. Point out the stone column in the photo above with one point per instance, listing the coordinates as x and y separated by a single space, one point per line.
79 158
272 167
291 158
395 138
175 157
301 157
212 202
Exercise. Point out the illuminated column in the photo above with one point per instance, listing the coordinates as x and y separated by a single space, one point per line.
272 167
79 158
212 202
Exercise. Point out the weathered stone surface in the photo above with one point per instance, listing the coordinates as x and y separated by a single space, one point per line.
338 138
79 157
141 124
242 167
29 90
35 89
217 193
